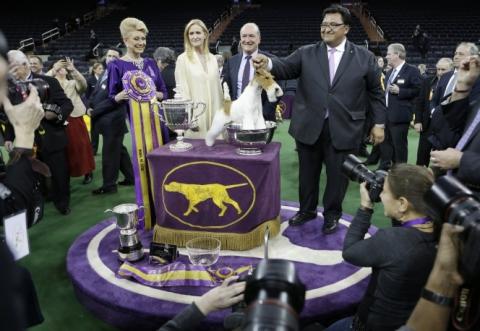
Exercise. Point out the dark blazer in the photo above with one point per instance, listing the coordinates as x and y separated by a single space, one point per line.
108 115
441 136
422 105
91 83
230 76
168 75
51 135
401 106
440 90
459 115
357 84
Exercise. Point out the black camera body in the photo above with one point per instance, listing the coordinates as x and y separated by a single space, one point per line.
161 253
273 299
450 201
356 171
18 91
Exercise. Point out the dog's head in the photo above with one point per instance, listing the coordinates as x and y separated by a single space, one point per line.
172 187
265 81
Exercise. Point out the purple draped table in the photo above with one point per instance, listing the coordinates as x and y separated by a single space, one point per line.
334 287
212 191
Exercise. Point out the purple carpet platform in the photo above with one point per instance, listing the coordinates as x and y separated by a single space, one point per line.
334 287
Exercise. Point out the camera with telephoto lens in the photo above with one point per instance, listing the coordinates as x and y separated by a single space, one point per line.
356 171
18 91
273 299
450 201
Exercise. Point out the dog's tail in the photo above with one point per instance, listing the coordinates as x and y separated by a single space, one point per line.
235 185
227 100
226 92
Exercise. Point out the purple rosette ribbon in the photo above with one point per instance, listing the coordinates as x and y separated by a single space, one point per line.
139 86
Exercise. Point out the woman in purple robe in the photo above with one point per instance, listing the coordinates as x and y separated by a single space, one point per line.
147 131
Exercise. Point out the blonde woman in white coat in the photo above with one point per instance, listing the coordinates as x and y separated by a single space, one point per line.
196 73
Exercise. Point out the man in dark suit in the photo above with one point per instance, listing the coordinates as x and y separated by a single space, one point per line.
440 135
423 108
51 139
92 80
110 121
403 86
238 70
336 81
463 116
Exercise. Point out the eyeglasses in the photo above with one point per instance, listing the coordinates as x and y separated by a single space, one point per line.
332 26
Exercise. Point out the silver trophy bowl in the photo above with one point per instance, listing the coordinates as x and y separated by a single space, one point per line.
179 115
130 248
249 142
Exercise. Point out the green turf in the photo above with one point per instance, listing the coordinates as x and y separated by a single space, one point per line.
51 239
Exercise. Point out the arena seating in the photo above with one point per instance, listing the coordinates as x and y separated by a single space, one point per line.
286 26
445 26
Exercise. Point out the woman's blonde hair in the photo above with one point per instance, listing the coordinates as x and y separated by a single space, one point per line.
131 24
186 40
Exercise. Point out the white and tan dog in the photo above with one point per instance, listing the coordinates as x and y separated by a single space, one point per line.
247 109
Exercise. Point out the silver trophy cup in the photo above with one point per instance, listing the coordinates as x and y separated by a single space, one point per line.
181 115
130 248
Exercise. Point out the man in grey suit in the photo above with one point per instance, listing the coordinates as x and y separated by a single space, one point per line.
238 70
337 80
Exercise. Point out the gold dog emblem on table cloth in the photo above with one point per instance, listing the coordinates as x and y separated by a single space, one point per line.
221 204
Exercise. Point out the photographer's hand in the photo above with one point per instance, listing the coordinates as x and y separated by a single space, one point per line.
9 145
444 280
222 296
445 268
468 73
365 201
25 118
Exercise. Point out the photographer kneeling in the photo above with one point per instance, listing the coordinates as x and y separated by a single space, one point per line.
401 257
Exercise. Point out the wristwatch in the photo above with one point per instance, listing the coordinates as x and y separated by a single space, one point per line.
436 298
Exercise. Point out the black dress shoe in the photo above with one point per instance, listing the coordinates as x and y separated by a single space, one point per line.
126 182
64 210
87 179
103 190
329 226
301 218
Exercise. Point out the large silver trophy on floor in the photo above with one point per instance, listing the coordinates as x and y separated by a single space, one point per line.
130 248
179 115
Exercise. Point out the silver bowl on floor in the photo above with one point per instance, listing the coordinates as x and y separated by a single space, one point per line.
249 142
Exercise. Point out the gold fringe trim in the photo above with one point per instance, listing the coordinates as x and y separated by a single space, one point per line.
230 241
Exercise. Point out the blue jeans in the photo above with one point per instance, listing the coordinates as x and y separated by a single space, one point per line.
344 324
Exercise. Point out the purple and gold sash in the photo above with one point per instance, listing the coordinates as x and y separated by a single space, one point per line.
174 274
146 130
